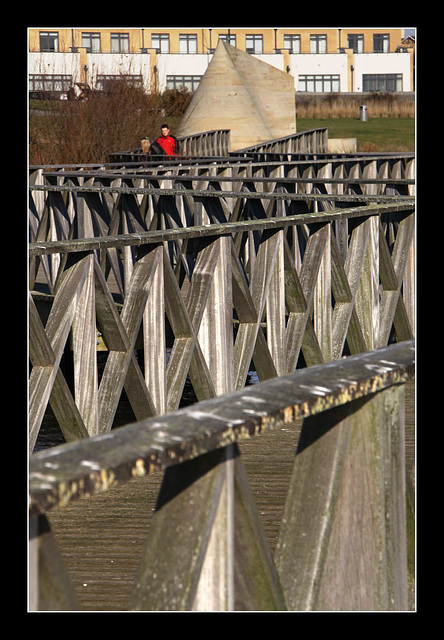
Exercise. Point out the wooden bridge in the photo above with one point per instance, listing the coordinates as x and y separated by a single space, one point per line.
297 265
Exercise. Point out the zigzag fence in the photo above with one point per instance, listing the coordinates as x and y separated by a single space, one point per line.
342 543
276 266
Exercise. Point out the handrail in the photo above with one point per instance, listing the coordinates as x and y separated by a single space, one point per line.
348 476
93 465
233 160
202 144
214 229
317 137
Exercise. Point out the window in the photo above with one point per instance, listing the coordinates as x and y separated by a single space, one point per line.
230 38
293 43
119 43
91 41
50 83
382 82
318 84
381 42
187 43
183 82
161 42
49 41
106 81
356 42
255 43
318 44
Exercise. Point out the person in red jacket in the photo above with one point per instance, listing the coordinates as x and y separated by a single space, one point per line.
167 141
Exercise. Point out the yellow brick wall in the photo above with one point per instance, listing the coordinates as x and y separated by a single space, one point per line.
73 37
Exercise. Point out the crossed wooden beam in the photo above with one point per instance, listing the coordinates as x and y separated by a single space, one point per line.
202 322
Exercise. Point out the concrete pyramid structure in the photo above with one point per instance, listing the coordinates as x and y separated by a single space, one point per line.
239 92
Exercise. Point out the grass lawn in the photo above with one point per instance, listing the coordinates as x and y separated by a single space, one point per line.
377 134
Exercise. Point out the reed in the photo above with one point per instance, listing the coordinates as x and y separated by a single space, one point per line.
334 105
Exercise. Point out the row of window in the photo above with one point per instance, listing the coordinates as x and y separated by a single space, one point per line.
49 41
308 83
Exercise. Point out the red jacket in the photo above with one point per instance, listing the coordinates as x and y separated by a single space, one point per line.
168 144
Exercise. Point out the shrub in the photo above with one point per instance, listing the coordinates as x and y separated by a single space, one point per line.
86 132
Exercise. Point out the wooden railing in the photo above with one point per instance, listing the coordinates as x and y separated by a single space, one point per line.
206 143
234 264
342 541
312 141
217 143
358 173
284 292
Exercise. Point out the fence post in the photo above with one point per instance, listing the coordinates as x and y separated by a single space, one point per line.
367 295
342 544
50 588
186 562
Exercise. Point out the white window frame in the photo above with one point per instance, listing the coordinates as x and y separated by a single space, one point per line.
319 83
292 42
254 43
161 42
318 43
52 38
355 41
187 43
122 42
94 39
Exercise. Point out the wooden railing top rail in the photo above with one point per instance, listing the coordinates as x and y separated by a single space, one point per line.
228 179
66 473
214 229
232 160
217 194
293 136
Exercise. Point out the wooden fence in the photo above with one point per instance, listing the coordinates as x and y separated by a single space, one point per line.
312 141
217 143
342 541
206 143
282 292
233 264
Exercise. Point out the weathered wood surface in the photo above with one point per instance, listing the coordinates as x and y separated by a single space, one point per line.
284 262
101 539
268 290
57 479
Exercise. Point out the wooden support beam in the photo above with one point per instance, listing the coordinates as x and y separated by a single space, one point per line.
342 544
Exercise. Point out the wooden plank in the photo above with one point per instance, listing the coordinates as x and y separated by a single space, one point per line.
50 586
118 362
51 347
367 295
345 280
300 332
84 339
186 354
275 312
186 513
216 327
256 582
322 306
340 484
392 274
154 334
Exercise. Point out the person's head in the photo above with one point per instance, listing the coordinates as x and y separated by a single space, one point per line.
165 130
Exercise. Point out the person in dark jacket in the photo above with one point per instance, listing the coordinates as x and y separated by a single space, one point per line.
167 141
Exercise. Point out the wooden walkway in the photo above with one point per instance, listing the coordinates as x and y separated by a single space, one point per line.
326 245
101 538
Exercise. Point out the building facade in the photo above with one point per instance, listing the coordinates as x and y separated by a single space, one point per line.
320 60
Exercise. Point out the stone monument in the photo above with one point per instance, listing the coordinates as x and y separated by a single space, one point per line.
253 99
